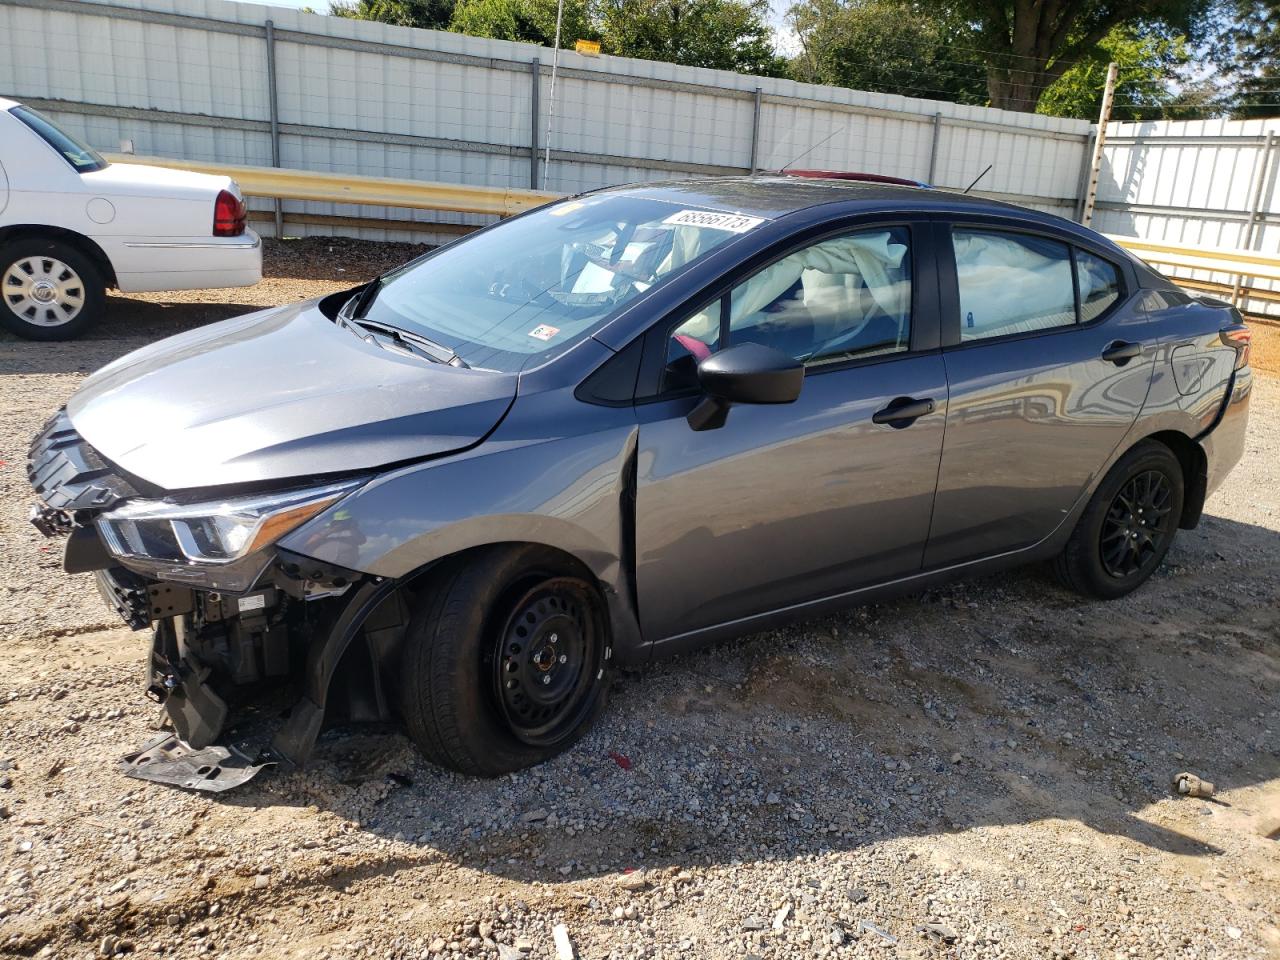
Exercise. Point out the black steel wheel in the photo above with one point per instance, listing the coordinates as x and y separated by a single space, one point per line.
547 653
1137 525
505 662
1128 525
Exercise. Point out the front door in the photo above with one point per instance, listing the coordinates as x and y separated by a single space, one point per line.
1043 347
786 504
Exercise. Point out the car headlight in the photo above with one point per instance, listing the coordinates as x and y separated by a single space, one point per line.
214 532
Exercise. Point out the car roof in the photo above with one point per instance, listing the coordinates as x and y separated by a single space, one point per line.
775 195
8 104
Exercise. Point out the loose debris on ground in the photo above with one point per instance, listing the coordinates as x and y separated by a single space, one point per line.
981 770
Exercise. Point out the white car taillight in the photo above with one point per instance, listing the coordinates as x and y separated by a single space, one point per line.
228 215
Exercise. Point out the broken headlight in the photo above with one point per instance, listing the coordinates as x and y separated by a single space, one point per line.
214 532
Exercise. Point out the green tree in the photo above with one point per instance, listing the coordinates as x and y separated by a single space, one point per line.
1028 45
722 34
1149 59
889 46
429 14
1247 52
531 21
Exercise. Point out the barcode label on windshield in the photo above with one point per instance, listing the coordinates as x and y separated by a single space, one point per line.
733 222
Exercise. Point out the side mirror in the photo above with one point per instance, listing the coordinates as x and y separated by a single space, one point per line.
748 373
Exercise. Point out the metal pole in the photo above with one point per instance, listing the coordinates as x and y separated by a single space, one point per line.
1260 174
1082 183
1095 163
755 132
933 149
535 68
551 105
273 102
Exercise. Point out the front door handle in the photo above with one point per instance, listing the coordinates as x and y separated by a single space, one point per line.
1121 352
903 411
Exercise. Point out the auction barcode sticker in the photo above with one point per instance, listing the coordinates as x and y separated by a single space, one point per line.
733 222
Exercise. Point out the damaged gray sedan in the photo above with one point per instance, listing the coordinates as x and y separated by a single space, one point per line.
619 427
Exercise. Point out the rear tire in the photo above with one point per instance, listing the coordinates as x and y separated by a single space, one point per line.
49 290
505 662
1128 526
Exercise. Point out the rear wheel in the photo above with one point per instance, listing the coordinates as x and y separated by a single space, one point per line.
505 661
1128 526
49 290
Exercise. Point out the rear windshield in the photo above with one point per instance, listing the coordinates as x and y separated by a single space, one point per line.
84 158
518 293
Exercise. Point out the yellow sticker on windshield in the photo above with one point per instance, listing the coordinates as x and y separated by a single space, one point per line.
709 219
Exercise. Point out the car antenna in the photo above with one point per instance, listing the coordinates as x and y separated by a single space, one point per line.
977 178
811 149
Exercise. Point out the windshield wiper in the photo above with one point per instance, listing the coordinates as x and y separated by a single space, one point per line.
412 342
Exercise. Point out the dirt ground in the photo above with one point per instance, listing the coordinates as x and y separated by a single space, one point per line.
976 771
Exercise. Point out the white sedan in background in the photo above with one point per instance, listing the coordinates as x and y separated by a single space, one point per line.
72 225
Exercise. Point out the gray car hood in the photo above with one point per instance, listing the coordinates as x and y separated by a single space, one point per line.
275 395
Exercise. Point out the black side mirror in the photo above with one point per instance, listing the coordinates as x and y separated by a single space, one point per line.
748 373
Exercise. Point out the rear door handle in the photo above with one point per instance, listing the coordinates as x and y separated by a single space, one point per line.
1121 352
903 411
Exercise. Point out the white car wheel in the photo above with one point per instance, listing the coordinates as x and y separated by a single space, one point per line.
49 290
43 291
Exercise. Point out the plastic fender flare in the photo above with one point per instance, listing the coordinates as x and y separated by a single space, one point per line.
294 741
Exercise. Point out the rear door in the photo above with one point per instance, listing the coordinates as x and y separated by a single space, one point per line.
786 504
1045 348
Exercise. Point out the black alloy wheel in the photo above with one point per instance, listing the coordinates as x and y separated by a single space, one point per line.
1137 525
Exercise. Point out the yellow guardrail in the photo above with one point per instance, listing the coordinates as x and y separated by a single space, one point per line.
1248 263
346 188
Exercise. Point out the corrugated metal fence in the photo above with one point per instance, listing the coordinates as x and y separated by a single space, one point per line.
238 83
1209 183
244 84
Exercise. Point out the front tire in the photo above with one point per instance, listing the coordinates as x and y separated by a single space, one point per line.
505 662
1128 526
49 290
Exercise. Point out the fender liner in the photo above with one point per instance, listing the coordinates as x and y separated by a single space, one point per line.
294 741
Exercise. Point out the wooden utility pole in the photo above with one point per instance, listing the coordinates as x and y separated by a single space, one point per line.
1095 162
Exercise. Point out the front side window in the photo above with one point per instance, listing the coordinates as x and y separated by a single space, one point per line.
1012 283
83 158
841 299
523 290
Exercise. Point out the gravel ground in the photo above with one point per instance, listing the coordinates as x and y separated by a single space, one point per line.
976 771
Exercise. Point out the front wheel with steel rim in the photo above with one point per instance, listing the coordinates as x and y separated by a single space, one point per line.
1128 526
49 290
505 662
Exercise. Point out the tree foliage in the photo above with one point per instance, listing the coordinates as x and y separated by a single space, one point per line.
429 14
1149 58
1028 45
888 46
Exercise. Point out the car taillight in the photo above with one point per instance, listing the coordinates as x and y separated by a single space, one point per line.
1239 336
228 215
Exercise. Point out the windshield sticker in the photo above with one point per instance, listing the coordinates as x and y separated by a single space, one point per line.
544 331
733 222
564 209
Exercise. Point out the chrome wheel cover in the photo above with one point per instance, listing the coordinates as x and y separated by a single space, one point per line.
42 291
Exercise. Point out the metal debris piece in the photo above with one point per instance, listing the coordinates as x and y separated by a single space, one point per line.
866 926
1189 785
166 759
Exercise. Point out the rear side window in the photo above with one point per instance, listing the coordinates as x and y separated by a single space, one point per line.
1012 283
1099 283
82 157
